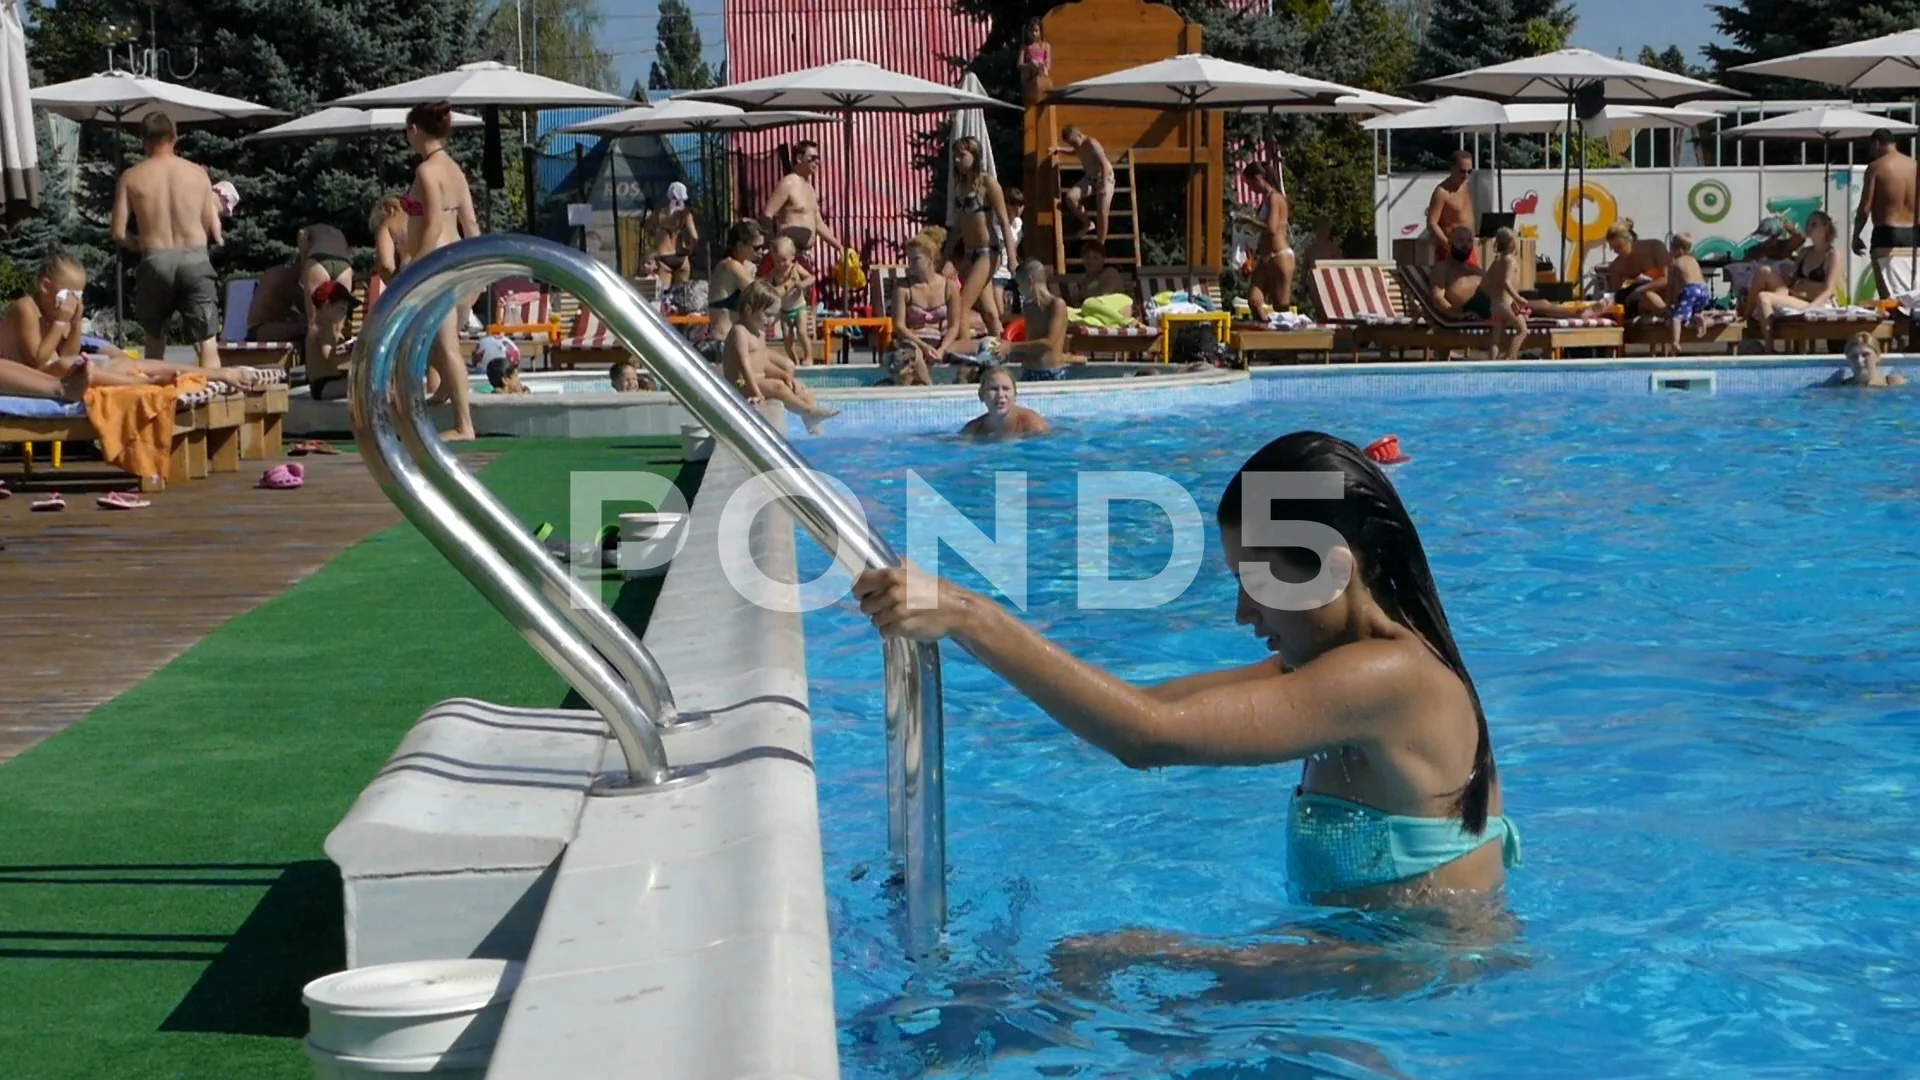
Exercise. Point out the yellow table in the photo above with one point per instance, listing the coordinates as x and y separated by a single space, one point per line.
1222 328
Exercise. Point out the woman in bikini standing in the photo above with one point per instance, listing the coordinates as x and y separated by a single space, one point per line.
979 210
440 212
673 234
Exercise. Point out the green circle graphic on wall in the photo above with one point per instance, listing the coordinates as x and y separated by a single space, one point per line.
1710 201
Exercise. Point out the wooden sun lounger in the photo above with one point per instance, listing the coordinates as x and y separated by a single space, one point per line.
1831 326
1362 299
1724 328
206 436
1559 334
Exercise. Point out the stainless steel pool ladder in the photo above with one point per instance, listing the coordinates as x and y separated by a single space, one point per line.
564 623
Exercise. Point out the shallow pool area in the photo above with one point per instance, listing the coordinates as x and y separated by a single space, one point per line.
1691 619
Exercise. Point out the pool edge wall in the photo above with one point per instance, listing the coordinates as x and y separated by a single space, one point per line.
686 931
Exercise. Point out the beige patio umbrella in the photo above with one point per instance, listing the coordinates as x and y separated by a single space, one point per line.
19 151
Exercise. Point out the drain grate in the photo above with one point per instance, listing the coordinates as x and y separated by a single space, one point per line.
1683 382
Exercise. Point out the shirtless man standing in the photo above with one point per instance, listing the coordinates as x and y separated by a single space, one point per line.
1888 198
794 210
1451 206
171 201
1096 180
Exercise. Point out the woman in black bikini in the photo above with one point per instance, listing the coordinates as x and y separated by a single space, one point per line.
1808 283
746 243
980 208
674 234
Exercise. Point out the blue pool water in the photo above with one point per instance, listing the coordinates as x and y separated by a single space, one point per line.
1695 623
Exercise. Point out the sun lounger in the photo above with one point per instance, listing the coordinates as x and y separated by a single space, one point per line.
206 432
1559 334
1715 328
589 341
1362 298
1830 325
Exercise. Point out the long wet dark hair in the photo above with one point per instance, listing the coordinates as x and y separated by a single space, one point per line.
1391 562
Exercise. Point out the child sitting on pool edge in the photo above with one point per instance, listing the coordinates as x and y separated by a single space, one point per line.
759 374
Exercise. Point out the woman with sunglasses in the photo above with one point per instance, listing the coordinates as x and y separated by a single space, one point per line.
746 243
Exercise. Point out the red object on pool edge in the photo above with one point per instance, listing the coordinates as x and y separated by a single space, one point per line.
1386 450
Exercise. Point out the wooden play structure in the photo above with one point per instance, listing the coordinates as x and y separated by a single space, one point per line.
1096 37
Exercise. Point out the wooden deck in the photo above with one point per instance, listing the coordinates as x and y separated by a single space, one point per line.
97 600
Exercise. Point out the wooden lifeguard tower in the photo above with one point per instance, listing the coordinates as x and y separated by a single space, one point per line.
1096 37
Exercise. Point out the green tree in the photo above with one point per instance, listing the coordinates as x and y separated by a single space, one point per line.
1674 59
1466 34
679 63
263 51
559 39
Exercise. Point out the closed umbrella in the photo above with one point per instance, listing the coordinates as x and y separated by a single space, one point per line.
846 87
19 150
1194 82
342 121
1568 75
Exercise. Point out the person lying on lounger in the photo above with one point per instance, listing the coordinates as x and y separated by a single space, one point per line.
42 331
19 380
1459 288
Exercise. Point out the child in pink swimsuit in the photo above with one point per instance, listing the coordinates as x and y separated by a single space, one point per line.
1036 65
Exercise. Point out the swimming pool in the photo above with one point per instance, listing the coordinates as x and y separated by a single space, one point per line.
1692 622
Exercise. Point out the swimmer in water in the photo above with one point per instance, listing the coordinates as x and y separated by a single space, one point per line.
1863 367
999 392
1399 803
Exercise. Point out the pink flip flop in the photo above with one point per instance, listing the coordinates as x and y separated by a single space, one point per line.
121 500
284 477
50 504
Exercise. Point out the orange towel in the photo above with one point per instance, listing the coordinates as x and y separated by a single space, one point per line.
135 424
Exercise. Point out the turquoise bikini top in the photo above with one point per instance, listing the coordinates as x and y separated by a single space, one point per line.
1335 845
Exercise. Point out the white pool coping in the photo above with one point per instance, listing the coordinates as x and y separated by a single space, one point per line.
686 933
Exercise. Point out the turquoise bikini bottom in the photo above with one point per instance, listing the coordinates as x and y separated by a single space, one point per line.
1335 845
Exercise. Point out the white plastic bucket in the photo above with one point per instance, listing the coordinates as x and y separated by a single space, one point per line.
648 542
463 1065
413 1017
696 442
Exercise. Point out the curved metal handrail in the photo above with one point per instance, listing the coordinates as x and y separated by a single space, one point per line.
421 296
390 421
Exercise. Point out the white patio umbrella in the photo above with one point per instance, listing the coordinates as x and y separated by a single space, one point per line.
116 97
1825 124
1577 74
1358 103
489 86
1481 116
1194 82
20 191
846 87
1882 63
679 116
342 121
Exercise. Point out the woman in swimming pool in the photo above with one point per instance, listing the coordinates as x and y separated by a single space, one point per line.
440 212
1399 802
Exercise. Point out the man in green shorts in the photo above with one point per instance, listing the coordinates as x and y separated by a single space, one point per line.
170 202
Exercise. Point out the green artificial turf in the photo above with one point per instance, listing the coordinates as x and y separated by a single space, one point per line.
163 892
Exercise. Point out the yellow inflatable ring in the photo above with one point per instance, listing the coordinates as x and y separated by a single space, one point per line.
1589 233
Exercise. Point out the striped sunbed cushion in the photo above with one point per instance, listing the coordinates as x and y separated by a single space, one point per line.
1831 315
1357 294
588 332
1707 318
1116 331
1252 326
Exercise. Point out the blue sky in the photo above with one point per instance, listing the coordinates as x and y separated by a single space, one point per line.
1605 26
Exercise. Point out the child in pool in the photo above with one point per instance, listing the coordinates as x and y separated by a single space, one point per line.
1687 292
1863 367
759 374
792 281
1507 308
1036 64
